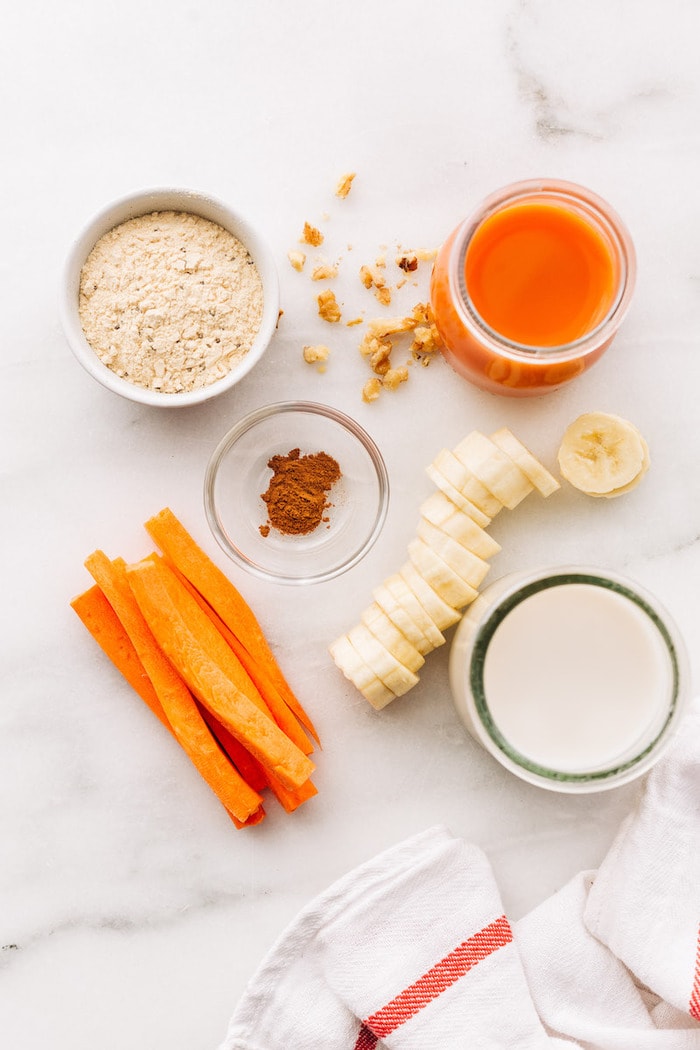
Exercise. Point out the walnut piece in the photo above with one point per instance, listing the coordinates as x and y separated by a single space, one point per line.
407 263
313 354
328 307
371 390
394 377
344 184
324 273
296 260
311 235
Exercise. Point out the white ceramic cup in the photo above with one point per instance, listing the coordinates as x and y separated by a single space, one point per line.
522 699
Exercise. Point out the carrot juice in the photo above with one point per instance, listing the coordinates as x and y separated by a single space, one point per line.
531 290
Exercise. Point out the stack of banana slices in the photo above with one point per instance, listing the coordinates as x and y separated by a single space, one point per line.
447 562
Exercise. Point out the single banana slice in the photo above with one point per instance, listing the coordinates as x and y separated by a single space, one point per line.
544 482
398 587
600 454
356 671
441 513
646 462
469 566
442 614
455 496
385 666
393 609
465 481
443 579
376 621
493 468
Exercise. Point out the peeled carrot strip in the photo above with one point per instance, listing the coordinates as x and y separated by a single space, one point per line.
184 637
177 702
276 703
249 768
174 540
106 628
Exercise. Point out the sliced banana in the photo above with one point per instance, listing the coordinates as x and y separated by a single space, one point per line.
493 468
442 514
393 640
386 667
443 579
466 482
445 486
442 614
466 564
602 454
544 482
397 586
399 616
356 671
646 462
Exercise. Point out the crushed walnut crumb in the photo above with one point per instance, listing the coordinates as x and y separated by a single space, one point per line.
328 307
314 354
296 260
345 184
311 235
394 377
407 263
324 273
371 390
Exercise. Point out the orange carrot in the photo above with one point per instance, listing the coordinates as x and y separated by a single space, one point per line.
186 636
106 628
174 540
177 701
276 703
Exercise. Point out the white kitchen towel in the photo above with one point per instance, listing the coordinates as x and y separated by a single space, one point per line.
412 951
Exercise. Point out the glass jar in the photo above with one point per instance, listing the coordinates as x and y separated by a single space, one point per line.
572 678
529 291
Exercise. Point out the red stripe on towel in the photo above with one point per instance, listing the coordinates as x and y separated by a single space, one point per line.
434 982
694 1005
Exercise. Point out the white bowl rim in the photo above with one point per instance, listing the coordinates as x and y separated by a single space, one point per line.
241 427
141 202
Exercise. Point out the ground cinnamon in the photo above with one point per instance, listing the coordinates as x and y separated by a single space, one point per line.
297 494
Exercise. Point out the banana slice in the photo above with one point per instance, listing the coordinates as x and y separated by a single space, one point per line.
494 469
443 579
603 454
544 482
442 614
442 514
376 621
469 566
455 496
466 482
356 671
385 666
398 587
393 609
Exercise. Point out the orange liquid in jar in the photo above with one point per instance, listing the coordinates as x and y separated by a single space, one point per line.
539 274
530 291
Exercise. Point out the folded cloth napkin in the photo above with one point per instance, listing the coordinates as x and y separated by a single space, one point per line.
412 951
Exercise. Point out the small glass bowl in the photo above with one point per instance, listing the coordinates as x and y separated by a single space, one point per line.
238 474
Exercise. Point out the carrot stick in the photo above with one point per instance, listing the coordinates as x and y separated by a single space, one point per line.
185 635
174 540
106 628
177 701
276 703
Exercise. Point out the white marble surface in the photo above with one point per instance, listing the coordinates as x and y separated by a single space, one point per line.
131 913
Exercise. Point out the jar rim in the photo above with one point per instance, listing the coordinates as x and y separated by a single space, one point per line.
597 211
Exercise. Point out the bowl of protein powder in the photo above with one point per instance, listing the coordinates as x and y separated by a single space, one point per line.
169 297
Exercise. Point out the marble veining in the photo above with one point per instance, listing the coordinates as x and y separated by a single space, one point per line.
131 912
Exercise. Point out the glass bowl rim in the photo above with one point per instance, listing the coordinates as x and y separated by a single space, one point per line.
242 427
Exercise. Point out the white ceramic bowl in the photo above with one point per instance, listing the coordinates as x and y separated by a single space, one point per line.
141 203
